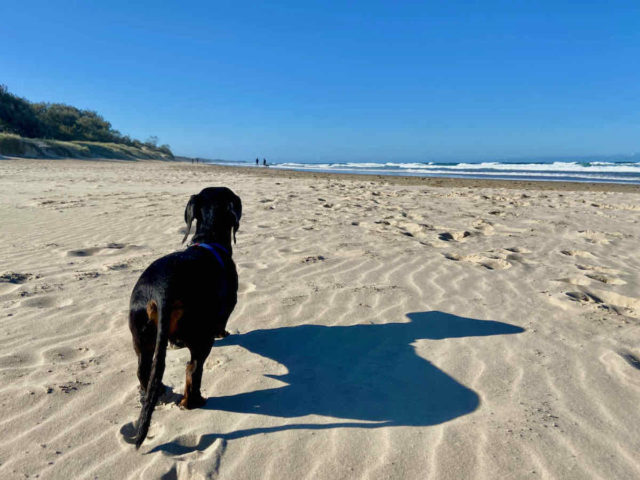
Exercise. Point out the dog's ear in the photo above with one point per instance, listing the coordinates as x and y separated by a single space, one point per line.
190 214
235 209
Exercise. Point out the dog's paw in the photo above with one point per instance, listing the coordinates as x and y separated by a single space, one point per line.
176 345
224 334
192 402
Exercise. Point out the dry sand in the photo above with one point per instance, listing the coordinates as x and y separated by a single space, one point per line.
385 328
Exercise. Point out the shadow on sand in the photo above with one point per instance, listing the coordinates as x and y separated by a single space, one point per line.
368 375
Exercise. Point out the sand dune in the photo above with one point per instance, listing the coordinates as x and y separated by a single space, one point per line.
383 330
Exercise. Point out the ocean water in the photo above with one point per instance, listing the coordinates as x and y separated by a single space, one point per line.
627 171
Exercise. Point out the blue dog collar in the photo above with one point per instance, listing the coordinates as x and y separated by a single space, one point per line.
213 248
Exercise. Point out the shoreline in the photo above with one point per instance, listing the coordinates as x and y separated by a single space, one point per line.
443 182
446 182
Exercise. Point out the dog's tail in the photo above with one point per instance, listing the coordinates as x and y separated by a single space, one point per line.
157 369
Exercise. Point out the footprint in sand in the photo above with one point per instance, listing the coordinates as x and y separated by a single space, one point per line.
413 229
11 281
605 279
198 456
108 249
488 262
456 236
118 266
484 226
590 236
46 302
85 252
495 264
15 278
615 302
87 275
602 274
583 297
62 355
577 253
595 268
180 445
205 464
518 250
575 280
517 258
631 359
128 432
623 364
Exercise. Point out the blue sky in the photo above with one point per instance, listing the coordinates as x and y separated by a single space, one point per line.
340 81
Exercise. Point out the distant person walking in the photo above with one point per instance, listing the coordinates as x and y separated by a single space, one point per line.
257 161
264 162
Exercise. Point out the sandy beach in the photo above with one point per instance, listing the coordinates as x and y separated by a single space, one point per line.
385 327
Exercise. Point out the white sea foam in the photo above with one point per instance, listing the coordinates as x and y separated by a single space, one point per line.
627 172
494 166
597 171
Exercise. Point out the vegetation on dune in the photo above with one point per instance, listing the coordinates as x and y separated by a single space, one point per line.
17 146
55 129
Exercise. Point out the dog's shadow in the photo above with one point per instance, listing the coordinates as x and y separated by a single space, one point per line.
369 375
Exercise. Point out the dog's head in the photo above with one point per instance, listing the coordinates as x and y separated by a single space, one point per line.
216 209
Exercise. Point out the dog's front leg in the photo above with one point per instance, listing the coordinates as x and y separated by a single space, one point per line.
192 397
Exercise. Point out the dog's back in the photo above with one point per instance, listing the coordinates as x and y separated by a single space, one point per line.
205 290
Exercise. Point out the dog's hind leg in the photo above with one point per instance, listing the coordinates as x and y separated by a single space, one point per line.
192 397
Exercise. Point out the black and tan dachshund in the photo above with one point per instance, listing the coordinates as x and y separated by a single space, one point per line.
186 298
